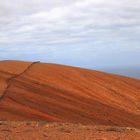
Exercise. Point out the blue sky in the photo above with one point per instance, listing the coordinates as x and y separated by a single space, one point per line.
96 34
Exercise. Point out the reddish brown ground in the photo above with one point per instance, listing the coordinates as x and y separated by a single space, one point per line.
58 93
64 131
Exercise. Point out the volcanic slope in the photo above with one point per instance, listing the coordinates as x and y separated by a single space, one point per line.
58 93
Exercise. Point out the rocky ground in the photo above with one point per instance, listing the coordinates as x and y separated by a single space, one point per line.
64 131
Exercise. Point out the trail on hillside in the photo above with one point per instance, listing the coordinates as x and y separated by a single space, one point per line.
14 77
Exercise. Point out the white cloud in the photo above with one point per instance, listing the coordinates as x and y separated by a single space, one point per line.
68 21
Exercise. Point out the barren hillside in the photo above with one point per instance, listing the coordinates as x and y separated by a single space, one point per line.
58 93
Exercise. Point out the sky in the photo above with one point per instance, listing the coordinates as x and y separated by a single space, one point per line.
95 34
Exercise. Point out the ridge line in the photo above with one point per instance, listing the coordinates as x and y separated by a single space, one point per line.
10 80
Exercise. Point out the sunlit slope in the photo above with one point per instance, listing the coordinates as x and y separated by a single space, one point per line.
58 93
8 69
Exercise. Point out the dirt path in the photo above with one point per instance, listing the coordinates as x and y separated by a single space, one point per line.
13 78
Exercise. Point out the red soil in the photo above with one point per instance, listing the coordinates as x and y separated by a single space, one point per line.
64 131
58 93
